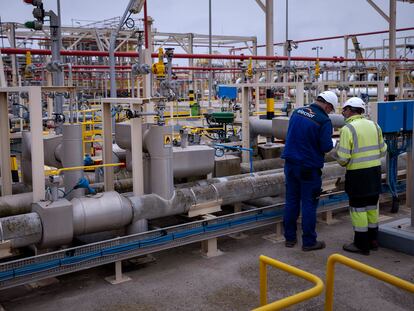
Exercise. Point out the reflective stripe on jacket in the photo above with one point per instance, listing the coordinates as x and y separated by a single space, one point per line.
361 144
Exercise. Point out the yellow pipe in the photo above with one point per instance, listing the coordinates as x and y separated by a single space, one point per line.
356 265
75 168
288 301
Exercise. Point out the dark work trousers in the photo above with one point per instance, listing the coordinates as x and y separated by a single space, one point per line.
366 239
303 187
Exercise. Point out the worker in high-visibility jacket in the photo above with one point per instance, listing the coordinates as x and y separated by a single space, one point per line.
360 148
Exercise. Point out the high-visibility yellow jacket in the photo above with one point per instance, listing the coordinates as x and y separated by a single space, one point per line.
361 144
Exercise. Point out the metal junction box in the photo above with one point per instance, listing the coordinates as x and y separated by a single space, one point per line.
391 116
228 92
408 111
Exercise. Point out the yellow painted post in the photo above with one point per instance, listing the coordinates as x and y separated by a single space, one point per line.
356 265
330 276
263 282
14 168
270 104
291 300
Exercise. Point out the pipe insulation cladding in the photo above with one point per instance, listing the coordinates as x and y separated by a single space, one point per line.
21 203
110 210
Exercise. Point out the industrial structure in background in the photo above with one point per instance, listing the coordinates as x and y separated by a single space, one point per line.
111 148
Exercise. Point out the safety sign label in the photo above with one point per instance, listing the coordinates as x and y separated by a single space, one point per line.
167 140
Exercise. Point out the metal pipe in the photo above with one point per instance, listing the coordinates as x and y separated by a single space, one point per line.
392 49
210 52
161 154
102 212
146 24
267 127
228 192
110 210
331 37
201 56
15 204
112 42
72 156
21 230
269 37
263 165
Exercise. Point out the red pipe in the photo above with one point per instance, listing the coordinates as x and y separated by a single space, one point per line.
209 68
202 56
331 38
146 24
175 68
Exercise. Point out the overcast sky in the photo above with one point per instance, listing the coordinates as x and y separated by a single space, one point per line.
307 18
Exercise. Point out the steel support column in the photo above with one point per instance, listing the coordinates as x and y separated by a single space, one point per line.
269 39
5 168
392 51
107 146
245 124
36 129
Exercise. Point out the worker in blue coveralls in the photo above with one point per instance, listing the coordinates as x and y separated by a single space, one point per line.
308 138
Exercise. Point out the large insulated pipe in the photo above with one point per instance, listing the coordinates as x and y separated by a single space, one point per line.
102 212
52 145
158 143
72 156
21 203
15 204
21 230
152 206
113 211
268 128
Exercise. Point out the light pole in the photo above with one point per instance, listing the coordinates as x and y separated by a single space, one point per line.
317 48
317 67
210 51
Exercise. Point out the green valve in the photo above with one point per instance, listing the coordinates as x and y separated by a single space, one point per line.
223 117
34 25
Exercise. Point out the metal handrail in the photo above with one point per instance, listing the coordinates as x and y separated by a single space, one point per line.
288 301
356 265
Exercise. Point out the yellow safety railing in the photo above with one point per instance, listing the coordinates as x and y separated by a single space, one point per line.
90 130
288 301
75 168
356 265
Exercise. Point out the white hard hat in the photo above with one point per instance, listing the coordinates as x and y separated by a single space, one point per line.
355 102
330 97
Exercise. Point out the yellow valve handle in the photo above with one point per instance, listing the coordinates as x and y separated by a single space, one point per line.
75 168
249 71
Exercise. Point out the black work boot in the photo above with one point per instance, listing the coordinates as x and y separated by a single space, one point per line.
290 244
351 247
316 246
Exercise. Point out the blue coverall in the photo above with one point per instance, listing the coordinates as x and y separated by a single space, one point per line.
309 137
